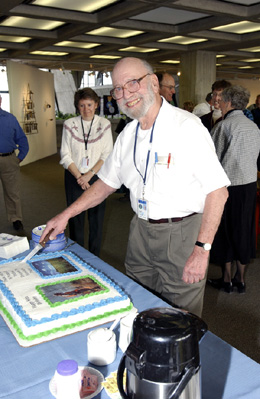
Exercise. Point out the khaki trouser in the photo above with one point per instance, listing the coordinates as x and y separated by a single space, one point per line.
10 177
156 256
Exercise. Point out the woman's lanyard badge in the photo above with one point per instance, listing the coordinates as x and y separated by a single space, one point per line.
85 160
142 209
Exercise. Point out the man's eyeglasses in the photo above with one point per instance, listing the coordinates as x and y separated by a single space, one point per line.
169 87
132 86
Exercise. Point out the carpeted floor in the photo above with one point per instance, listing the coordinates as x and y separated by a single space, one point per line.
233 317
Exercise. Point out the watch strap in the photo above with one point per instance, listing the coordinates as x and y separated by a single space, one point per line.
205 246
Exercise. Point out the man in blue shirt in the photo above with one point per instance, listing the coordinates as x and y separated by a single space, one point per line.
12 137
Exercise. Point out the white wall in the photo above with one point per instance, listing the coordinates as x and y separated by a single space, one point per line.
253 85
43 143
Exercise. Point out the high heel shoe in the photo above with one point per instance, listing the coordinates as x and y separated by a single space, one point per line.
241 287
228 287
219 284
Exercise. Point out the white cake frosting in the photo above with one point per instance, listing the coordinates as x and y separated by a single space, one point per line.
56 294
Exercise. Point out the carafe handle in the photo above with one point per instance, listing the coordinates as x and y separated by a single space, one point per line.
190 371
120 374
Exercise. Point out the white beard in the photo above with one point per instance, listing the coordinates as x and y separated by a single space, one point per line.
147 101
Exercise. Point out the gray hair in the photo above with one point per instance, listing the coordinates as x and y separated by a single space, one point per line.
237 95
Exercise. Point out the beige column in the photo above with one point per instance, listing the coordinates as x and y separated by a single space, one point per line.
198 72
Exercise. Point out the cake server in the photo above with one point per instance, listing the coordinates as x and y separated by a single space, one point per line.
37 248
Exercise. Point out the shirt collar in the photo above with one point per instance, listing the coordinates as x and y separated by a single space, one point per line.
229 112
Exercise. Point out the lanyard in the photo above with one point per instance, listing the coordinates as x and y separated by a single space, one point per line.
86 140
148 154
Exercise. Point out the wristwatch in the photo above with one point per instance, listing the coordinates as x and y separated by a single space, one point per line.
205 246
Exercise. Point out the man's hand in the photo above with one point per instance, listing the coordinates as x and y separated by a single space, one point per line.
58 224
196 266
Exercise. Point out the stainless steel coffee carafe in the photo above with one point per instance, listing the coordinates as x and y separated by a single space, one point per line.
163 361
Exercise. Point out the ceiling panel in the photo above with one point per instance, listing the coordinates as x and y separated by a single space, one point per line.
169 16
93 34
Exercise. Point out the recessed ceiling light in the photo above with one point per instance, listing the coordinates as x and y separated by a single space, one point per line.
30 23
139 49
245 67
239 27
182 40
114 32
251 49
170 62
109 57
252 60
79 5
14 39
77 44
48 53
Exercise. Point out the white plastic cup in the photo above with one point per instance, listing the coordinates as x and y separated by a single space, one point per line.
126 327
101 346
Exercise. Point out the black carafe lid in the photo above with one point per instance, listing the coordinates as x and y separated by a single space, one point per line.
165 343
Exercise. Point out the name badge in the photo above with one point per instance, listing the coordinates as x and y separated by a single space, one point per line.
143 209
85 162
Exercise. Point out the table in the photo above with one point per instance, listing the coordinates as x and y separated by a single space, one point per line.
25 373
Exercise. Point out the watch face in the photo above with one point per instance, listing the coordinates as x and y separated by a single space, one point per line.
207 247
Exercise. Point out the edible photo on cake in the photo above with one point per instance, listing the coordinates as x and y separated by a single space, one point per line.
55 293
53 266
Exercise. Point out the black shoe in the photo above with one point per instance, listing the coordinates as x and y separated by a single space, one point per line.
241 287
18 225
216 282
228 287
220 284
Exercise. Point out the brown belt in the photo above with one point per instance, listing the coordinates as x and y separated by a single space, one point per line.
169 220
6 154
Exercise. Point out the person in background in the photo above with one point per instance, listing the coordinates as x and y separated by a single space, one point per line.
167 86
256 111
86 143
160 156
205 107
248 114
253 106
214 116
237 142
188 106
12 137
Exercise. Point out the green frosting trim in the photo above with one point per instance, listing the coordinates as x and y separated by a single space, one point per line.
54 304
62 328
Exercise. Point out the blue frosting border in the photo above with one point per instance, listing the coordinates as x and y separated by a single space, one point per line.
81 309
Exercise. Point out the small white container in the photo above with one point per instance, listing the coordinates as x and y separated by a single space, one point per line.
126 329
101 346
68 380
